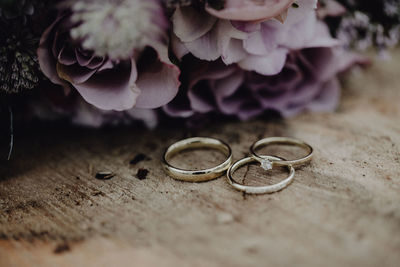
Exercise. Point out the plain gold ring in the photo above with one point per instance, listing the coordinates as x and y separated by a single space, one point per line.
267 163
259 189
197 175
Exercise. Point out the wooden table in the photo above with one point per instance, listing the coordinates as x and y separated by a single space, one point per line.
342 210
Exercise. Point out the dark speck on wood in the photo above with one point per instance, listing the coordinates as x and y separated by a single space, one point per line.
142 174
62 248
104 175
97 193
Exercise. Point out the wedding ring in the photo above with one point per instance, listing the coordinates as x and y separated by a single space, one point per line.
197 175
267 163
259 189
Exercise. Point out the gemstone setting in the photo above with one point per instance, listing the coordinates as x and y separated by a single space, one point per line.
266 164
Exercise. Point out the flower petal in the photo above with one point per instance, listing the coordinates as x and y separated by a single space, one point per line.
321 37
148 116
178 48
159 82
250 10
305 8
296 36
46 59
87 115
202 86
206 47
255 45
179 106
328 98
83 60
201 98
229 42
226 87
332 8
270 64
190 24
74 74
66 56
233 52
95 62
246 26
112 89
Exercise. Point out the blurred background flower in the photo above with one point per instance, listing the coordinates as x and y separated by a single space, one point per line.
364 24
308 82
53 105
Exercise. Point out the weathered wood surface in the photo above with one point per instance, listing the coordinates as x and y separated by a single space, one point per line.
342 210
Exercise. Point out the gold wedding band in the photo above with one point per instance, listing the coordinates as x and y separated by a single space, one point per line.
197 175
266 163
259 189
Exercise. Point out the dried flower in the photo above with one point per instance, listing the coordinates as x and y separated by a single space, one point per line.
21 23
372 24
19 68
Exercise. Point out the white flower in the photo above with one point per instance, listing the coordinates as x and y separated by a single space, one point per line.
115 28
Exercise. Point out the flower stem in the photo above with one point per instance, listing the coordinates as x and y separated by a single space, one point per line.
11 132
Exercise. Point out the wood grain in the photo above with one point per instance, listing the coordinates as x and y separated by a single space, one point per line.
342 210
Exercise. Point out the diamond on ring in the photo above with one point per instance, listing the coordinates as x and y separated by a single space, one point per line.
266 164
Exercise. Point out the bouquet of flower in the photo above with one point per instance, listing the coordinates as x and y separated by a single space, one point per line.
96 62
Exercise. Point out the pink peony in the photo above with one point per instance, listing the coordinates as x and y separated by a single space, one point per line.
254 46
146 79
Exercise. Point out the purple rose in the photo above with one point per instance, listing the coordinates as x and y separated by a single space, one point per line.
307 82
146 79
